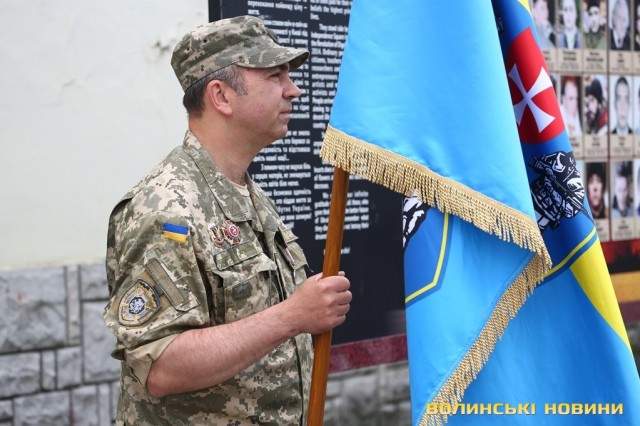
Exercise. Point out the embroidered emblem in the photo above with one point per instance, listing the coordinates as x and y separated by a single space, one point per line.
557 192
175 232
231 232
138 304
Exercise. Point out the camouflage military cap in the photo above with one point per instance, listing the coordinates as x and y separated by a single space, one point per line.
243 40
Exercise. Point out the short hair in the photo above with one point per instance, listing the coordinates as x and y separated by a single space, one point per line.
621 80
193 99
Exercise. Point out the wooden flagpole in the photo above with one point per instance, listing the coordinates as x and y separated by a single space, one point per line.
330 266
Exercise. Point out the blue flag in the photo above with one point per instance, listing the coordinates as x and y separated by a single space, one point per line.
511 316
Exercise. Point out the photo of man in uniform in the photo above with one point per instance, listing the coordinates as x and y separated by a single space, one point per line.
594 23
596 177
569 37
619 30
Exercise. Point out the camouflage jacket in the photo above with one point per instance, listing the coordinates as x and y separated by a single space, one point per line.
187 250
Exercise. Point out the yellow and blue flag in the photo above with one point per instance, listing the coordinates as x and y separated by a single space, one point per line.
175 232
511 316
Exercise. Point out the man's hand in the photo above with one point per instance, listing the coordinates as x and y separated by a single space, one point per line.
319 304
202 357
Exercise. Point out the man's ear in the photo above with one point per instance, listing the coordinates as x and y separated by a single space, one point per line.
217 96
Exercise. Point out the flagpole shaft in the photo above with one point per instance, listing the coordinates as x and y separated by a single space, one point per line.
330 266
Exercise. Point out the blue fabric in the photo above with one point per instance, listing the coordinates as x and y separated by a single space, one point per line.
433 82
557 350
178 229
426 80
445 322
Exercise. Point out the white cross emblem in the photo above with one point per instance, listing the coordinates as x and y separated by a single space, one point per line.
543 82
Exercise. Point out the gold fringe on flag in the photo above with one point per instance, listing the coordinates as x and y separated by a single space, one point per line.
506 309
413 179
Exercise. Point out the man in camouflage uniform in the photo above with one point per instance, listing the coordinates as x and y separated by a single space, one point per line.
209 299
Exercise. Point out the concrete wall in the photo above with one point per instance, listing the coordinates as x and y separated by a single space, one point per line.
89 103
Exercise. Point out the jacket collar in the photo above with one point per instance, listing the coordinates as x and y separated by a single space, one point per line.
226 195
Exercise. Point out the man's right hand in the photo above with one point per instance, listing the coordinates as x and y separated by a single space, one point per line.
319 304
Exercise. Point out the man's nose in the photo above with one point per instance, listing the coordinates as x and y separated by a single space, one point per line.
291 90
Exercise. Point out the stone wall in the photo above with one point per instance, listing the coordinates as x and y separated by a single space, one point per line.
373 396
55 367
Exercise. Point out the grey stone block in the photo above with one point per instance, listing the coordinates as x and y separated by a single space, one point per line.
360 398
332 412
33 306
48 370
115 396
84 406
72 283
334 387
50 408
104 405
69 367
6 409
395 383
93 281
98 342
19 374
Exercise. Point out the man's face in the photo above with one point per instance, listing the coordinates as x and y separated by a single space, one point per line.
569 14
622 103
593 19
540 12
594 190
621 188
570 98
266 107
591 105
620 18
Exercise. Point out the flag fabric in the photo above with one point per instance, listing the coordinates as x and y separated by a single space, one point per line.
508 300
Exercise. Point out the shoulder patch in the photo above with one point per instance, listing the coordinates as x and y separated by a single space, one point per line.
138 304
175 232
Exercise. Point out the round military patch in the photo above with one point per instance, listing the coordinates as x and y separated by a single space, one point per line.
138 304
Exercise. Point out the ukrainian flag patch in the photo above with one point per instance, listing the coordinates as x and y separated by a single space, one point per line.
175 232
